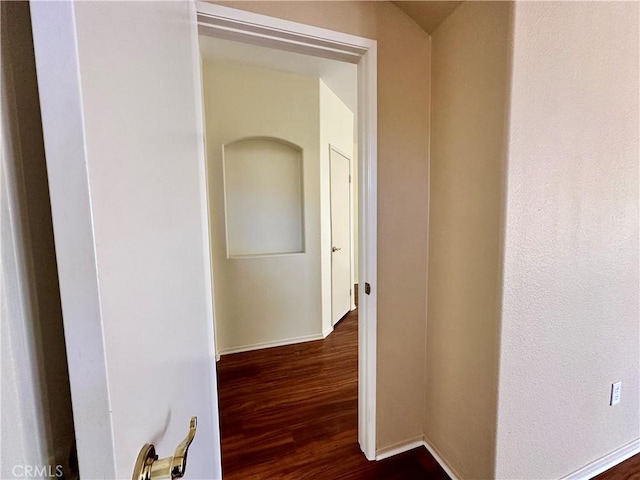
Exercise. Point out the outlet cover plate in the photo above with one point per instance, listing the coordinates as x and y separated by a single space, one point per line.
616 392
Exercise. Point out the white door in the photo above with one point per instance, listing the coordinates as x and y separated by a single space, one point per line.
340 235
120 96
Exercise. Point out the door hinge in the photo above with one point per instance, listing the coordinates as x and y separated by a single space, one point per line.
349 178
367 288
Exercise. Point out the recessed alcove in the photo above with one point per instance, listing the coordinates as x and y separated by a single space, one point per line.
263 197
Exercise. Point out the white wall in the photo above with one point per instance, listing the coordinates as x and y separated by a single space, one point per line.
337 130
263 198
570 318
470 89
268 299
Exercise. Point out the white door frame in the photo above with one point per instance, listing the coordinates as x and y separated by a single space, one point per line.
233 24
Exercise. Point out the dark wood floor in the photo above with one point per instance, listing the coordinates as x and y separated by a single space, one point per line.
627 470
291 413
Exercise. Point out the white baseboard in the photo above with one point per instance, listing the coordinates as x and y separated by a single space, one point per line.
585 473
605 463
441 461
407 445
275 343
398 448
325 333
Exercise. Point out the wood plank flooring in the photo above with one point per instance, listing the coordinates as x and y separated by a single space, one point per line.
291 413
627 470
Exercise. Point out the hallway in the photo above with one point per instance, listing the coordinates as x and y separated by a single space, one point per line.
290 413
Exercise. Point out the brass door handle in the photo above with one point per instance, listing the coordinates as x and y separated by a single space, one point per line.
335 249
148 467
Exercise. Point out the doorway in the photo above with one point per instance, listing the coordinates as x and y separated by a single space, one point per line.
274 120
342 286
280 138
246 27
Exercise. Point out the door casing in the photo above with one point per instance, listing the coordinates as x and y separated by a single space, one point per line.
247 27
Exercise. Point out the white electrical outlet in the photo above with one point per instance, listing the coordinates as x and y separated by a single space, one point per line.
616 391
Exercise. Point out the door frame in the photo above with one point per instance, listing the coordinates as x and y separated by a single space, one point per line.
247 27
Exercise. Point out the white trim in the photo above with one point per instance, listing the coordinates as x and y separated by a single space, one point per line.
60 90
400 447
367 249
337 150
441 461
606 462
585 473
239 25
230 23
275 343
327 331
206 233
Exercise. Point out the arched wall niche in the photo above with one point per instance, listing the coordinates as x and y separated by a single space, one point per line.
263 197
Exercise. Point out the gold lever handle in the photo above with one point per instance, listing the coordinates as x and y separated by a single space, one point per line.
335 249
148 467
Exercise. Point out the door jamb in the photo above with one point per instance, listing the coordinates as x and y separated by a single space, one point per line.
247 27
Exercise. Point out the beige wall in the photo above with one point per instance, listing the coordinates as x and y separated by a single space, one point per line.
570 319
37 423
559 302
403 149
470 85
570 301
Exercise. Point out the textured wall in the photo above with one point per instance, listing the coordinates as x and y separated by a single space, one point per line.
570 310
470 87
403 134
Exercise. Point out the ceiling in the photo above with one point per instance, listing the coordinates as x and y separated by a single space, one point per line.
340 77
428 14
